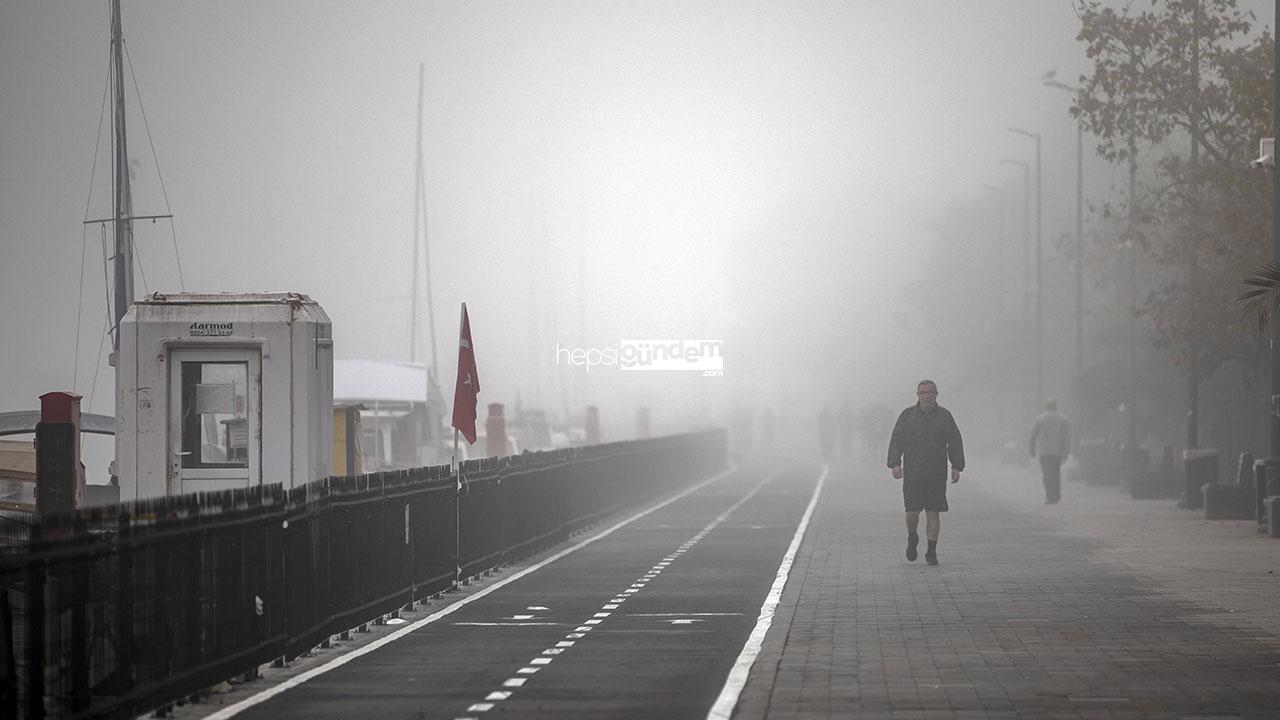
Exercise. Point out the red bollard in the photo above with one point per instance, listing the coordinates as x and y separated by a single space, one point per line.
495 429
59 481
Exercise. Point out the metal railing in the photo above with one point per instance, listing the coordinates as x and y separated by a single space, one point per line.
114 612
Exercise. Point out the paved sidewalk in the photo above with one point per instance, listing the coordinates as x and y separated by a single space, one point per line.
1101 606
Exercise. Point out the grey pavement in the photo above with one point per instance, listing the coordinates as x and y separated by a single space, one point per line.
1098 607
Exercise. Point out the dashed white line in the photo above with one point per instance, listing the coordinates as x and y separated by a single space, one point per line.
635 587
337 662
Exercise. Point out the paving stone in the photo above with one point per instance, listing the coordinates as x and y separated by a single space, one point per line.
1100 606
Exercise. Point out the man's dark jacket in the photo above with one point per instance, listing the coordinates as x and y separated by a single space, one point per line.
924 441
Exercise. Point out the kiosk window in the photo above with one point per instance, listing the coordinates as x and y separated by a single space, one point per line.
215 428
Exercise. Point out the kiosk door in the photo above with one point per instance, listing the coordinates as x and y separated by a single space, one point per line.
214 419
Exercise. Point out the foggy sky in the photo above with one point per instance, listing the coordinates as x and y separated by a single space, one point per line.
761 172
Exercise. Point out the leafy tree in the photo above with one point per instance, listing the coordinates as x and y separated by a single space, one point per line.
1202 221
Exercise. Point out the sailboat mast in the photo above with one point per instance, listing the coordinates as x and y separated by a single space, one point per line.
123 196
417 216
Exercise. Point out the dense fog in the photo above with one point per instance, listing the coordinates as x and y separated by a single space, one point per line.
830 188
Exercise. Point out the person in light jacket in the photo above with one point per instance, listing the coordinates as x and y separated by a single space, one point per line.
1051 440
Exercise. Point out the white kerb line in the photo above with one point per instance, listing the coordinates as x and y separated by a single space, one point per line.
337 662
732 690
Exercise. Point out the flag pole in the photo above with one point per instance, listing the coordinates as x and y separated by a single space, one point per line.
457 512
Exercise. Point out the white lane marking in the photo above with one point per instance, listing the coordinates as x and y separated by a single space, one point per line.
521 617
582 629
514 682
506 624
683 615
480 707
610 606
599 617
233 710
576 635
732 690
528 670
537 607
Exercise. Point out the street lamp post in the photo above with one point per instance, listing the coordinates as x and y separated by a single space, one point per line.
1039 289
1273 407
1026 265
1079 376
1000 259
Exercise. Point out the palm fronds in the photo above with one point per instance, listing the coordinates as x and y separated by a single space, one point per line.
1264 299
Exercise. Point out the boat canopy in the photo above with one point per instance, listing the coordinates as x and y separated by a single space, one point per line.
24 422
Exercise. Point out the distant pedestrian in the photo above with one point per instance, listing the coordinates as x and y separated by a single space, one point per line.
881 422
924 439
846 423
1051 440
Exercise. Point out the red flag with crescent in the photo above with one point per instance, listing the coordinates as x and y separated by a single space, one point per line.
467 390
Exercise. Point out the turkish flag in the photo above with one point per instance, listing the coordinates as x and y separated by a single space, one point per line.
468 386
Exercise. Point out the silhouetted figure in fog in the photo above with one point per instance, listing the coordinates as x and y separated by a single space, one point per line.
924 439
882 424
1051 440
846 422
768 428
826 432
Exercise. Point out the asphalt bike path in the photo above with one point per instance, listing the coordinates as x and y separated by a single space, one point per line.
647 621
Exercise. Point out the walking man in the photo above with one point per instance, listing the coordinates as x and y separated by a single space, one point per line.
924 439
1051 440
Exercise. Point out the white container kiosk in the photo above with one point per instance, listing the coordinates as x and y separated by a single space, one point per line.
220 391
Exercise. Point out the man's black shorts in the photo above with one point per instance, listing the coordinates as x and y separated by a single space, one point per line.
928 495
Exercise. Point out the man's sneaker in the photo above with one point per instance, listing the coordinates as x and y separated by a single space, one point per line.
931 558
912 542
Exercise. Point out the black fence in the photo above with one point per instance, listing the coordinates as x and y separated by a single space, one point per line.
114 612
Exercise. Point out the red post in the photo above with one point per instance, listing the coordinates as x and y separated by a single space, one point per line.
495 430
59 479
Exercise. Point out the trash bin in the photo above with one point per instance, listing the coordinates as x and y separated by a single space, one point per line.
1200 468
1260 494
1273 515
